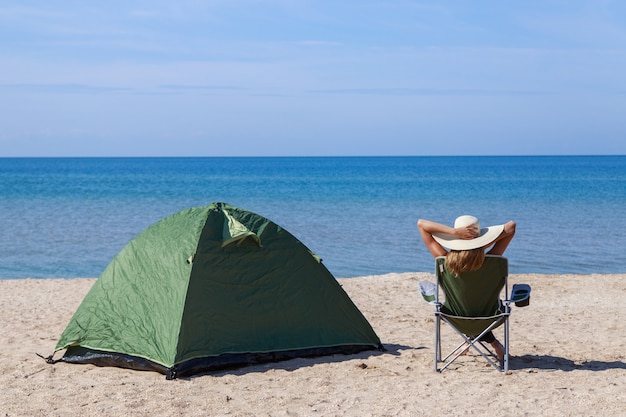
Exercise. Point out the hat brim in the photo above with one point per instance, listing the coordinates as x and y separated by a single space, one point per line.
486 237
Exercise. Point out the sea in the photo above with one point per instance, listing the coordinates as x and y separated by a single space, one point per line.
69 217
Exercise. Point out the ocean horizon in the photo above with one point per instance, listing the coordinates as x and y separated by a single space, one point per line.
68 217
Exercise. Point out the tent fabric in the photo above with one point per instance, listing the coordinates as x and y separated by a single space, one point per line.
213 286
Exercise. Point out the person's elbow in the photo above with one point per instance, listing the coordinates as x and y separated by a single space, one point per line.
509 228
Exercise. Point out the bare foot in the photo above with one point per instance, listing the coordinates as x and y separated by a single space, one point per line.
499 349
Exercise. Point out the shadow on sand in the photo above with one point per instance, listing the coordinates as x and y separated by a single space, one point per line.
547 362
297 363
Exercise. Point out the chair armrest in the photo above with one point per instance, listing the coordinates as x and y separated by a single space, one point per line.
429 291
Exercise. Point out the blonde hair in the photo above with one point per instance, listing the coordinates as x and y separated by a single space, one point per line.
459 261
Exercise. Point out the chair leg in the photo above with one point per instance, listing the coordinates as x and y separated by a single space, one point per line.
437 342
505 365
473 343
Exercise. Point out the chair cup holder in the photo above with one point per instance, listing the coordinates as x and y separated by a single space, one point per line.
523 303
520 294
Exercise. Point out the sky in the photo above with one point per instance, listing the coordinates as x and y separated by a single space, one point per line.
312 77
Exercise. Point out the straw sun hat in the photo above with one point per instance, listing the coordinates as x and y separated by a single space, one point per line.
486 236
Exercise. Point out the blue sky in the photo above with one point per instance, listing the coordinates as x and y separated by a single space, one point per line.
298 77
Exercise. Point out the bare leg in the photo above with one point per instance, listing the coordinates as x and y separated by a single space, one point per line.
499 349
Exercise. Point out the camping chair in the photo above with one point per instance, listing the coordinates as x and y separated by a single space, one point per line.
473 308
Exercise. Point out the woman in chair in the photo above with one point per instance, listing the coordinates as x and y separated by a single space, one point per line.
467 243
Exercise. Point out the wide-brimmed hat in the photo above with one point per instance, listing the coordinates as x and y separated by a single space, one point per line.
486 236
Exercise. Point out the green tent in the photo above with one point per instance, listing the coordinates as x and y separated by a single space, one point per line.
209 288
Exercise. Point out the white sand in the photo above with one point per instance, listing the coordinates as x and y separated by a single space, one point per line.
567 360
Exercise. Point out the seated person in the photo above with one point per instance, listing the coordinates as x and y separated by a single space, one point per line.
467 243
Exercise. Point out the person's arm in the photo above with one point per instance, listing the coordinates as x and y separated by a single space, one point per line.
427 228
502 241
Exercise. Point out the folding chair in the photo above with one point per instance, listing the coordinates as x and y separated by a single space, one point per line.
473 308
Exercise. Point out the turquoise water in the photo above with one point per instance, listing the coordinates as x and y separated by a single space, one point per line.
68 217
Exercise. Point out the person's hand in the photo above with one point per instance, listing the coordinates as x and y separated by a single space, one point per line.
467 232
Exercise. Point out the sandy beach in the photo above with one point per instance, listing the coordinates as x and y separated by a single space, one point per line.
567 360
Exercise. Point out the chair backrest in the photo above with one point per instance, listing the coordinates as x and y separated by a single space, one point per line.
476 293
